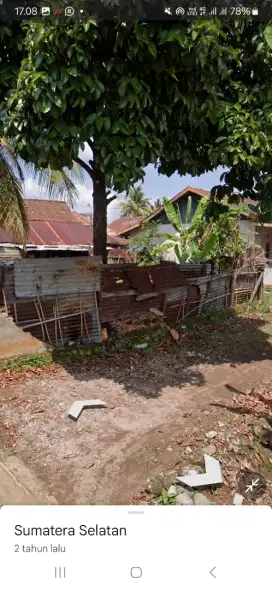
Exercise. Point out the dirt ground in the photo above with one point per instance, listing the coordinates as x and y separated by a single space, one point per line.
160 406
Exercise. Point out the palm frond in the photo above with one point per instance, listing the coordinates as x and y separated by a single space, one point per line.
57 184
13 218
11 162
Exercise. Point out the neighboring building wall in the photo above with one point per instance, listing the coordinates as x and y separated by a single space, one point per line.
260 235
10 253
163 228
248 230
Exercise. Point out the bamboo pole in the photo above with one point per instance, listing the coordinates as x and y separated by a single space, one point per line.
59 324
5 301
257 286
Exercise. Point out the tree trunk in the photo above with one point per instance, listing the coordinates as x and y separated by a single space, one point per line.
99 215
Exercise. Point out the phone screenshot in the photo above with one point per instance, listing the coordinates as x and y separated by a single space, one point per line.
135 293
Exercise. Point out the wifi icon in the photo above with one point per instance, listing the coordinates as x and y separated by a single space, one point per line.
180 11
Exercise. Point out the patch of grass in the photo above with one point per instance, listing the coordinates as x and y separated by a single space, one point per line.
27 362
254 307
216 316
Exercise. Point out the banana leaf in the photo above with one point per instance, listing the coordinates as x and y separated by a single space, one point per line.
173 215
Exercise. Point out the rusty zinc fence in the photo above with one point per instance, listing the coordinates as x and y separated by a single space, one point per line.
64 301
54 299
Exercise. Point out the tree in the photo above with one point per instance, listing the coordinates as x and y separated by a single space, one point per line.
143 245
183 243
13 217
268 34
135 204
216 239
157 204
186 98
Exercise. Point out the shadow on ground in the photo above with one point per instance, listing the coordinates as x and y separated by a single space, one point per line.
164 362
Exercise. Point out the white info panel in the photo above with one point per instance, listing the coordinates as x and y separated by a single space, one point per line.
135 547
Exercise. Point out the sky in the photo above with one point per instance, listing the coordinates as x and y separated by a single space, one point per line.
155 186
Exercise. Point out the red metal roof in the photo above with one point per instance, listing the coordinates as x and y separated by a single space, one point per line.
52 223
119 226
59 233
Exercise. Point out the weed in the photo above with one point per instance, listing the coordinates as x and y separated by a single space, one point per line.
254 306
38 361
165 500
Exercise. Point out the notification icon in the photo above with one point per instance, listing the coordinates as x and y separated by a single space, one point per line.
69 11
58 11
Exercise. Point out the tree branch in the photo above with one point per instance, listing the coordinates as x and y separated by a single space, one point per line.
111 199
85 167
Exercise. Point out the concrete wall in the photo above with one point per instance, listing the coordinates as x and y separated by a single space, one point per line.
15 342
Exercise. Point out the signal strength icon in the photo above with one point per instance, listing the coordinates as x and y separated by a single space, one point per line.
213 11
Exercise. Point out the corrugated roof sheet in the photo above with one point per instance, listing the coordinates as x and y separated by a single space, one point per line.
120 225
51 223
58 233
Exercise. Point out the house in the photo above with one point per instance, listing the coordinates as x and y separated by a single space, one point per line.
120 226
254 234
54 230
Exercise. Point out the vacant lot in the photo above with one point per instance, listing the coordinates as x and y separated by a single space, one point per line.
161 403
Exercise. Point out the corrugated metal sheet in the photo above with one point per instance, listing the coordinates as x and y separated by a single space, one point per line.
10 253
56 276
177 294
216 296
63 321
51 233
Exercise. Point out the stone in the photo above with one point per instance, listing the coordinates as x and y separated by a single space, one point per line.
184 499
89 464
174 333
209 450
200 499
168 478
238 500
172 492
211 434
188 450
154 484
221 424
104 334
156 312
263 431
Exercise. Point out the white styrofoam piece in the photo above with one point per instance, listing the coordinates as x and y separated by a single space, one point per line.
212 476
78 406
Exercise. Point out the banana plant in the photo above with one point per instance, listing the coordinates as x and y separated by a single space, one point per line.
183 244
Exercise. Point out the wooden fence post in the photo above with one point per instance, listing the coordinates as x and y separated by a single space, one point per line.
233 281
257 287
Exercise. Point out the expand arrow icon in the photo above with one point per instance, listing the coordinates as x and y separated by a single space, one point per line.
212 476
